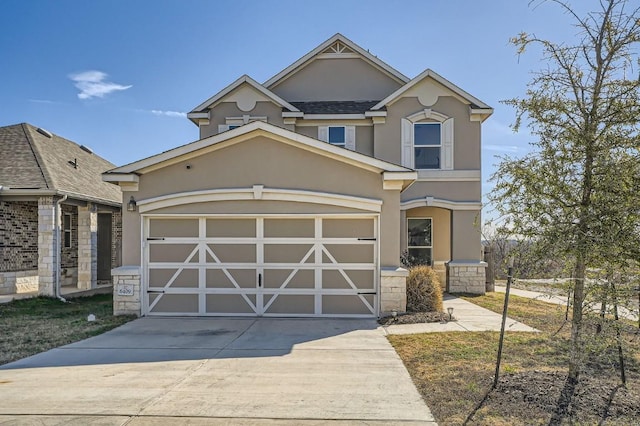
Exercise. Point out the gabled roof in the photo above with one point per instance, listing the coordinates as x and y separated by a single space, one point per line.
309 57
34 159
130 171
245 79
428 73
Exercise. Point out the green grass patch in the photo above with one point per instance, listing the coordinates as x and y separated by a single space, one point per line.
31 326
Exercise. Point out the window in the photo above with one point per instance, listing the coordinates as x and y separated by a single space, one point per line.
336 135
66 229
426 145
419 241
427 141
344 136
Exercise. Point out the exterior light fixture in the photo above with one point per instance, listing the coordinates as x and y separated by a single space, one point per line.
394 315
450 312
131 205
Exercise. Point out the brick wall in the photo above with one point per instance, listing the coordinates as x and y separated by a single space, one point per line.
69 256
18 236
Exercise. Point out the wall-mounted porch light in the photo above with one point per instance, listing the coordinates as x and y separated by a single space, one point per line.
131 205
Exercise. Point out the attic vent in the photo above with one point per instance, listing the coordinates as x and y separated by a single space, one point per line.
86 148
44 132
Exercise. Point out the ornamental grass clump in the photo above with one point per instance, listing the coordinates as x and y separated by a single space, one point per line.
424 293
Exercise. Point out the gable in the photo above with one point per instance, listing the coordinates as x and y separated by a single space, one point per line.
337 79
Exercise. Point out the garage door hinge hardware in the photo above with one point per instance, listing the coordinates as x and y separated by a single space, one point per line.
155 239
367 239
155 291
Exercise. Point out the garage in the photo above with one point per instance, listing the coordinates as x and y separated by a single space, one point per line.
299 265
260 221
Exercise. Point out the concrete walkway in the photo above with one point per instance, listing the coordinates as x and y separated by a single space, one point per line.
468 317
217 371
562 300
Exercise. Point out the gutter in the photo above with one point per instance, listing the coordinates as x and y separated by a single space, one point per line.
56 290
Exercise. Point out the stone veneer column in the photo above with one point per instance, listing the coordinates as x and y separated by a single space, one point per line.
126 291
87 246
48 255
466 277
393 290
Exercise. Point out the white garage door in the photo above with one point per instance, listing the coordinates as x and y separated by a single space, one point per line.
271 266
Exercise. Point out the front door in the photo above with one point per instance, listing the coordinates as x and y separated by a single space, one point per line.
104 247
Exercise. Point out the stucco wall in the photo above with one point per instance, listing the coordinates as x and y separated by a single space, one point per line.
263 161
466 133
223 110
336 80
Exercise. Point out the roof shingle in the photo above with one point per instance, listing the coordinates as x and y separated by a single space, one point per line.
334 107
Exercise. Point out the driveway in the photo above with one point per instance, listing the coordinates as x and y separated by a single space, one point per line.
217 371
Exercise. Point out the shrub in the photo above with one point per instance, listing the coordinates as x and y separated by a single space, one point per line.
424 293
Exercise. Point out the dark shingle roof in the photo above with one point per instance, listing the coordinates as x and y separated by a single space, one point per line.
334 107
32 160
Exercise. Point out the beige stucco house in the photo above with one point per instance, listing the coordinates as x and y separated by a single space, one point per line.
302 193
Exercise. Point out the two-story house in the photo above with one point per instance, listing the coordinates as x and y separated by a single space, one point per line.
303 192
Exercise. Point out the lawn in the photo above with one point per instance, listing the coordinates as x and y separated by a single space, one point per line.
30 326
454 372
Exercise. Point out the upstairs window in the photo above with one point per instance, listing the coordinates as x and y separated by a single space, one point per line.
427 145
344 136
427 141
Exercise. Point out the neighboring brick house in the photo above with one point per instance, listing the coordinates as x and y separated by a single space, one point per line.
303 192
60 224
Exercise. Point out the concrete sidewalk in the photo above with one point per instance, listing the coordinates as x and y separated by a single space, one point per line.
560 300
468 317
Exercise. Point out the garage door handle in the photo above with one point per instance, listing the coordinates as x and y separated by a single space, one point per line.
259 280
155 239
366 292
155 291
367 239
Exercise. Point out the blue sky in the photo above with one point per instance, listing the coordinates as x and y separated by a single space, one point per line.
119 75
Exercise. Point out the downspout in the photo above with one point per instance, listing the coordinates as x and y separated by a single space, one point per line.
57 247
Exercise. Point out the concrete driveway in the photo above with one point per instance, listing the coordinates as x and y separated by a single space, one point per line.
217 371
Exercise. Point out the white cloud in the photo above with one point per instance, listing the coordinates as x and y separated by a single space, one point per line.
92 84
500 148
169 113
42 101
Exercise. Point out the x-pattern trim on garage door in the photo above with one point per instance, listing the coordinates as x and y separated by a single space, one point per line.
230 266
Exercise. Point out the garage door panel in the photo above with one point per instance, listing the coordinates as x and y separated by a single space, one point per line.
285 228
348 253
230 303
232 253
173 253
174 303
301 279
173 278
289 304
231 228
216 278
348 228
178 228
334 280
348 304
288 253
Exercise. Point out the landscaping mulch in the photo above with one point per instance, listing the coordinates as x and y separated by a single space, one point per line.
414 318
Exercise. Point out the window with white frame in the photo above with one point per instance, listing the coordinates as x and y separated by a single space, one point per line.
234 122
66 229
344 136
427 145
427 141
419 240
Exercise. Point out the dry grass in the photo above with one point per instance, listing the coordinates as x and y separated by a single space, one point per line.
454 371
35 325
